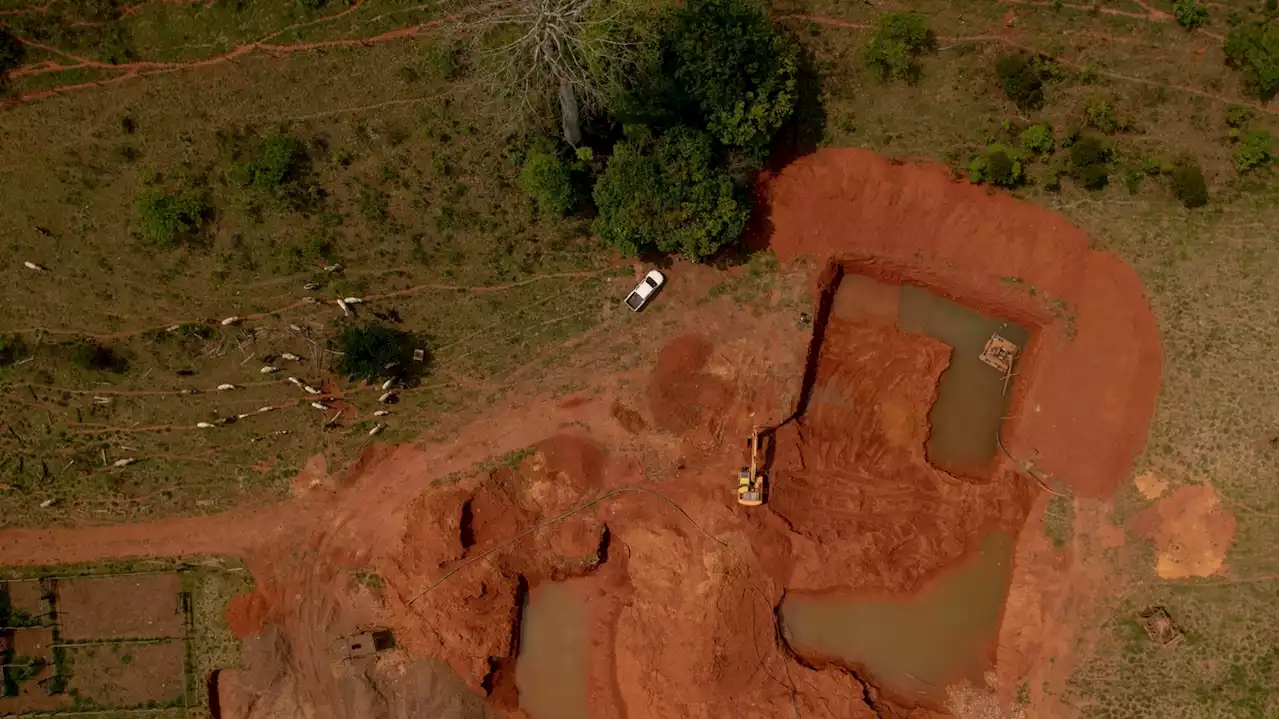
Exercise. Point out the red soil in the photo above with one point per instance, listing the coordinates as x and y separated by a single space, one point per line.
681 583
1087 383
851 476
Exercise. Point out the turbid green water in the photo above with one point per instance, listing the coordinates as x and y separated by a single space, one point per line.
551 668
918 643
966 417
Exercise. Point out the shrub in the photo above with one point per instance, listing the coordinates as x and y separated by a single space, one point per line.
1188 184
1253 151
547 179
1190 14
1252 49
1088 164
169 218
999 165
1239 116
276 170
1153 165
93 356
12 53
1022 77
728 60
374 351
672 194
11 348
1037 139
895 49
1101 114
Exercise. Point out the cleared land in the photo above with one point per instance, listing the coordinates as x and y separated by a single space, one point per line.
419 199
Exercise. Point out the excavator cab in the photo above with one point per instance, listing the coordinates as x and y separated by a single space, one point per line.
751 479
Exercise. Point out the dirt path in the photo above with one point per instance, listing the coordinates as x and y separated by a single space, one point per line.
144 68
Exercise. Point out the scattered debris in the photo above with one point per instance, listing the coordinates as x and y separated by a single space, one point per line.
353 300
226 387
241 416
189 391
311 390
291 357
334 419
376 429
388 384
123 462
335 267
174 328
311 286
227 420
419 355
34 266
204 425
232 320
320 405
391 365
102 400
281 431
47 503
269 369
295 328
268 408
382 413
311 300
387 398
1159 625
345 309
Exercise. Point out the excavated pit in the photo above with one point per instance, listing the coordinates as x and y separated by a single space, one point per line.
891 471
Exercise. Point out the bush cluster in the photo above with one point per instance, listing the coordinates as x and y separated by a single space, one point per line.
1022 77
1190 13
169 218
374 351
1189 185
999 166
1089 160
894 50
1253 151
1253 49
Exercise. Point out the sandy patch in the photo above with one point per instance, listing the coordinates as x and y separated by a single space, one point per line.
1191 531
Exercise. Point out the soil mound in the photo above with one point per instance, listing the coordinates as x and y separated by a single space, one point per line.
1089 381
682 396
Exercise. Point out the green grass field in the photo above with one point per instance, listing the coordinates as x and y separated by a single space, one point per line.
414 192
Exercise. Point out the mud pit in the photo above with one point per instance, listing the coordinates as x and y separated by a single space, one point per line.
678 585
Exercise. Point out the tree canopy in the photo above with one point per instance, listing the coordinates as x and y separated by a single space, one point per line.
1252 48
373 351
169 218
672 194
734 67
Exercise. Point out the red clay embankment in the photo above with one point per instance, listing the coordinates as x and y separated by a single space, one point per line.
1089 379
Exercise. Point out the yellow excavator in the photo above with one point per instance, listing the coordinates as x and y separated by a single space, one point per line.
751 480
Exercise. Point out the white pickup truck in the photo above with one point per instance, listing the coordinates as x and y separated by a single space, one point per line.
639 297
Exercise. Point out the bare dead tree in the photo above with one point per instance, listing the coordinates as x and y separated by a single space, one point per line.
538 52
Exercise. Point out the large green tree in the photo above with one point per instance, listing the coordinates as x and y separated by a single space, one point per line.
725 67
672 194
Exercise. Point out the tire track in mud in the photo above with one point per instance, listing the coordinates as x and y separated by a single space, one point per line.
1000 39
